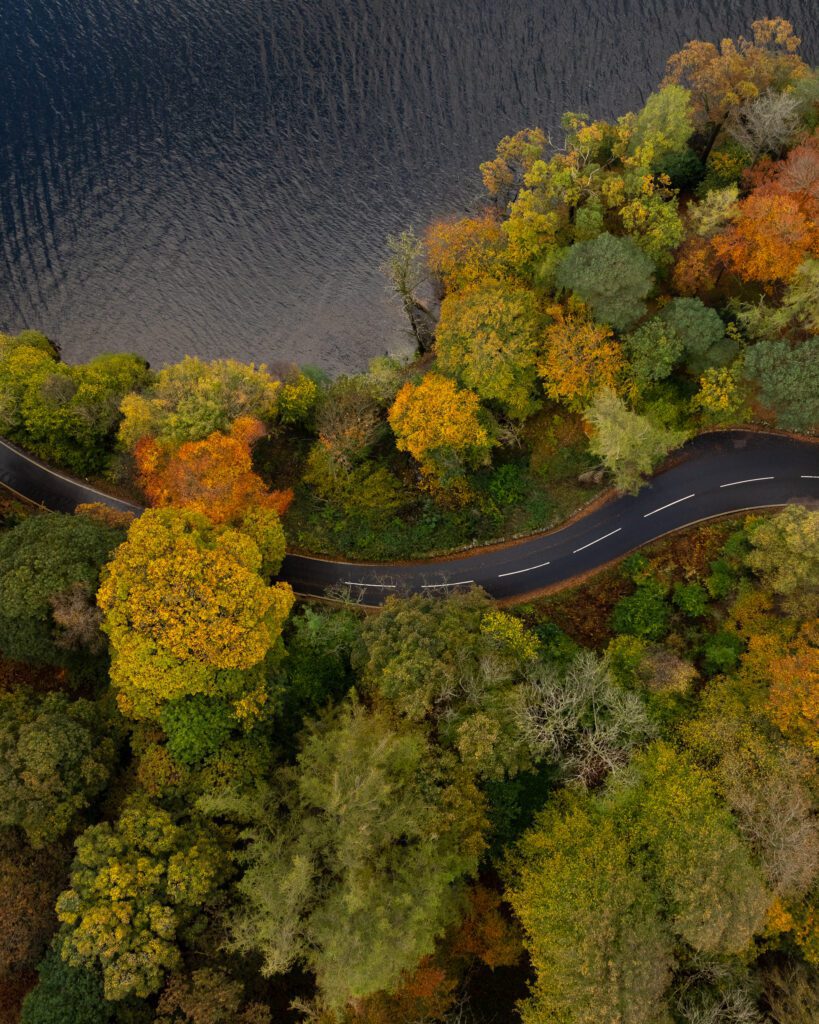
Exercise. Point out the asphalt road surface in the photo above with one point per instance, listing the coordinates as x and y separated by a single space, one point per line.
719 473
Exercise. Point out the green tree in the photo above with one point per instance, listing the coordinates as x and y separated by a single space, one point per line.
662 128
66 995
488 337
134 885
702 333
67 414
712 892
369 837
786 556
440 662
43 559
787 377
613 276
192 399
196 727
645 613
600 952
654 349
630 445
54 760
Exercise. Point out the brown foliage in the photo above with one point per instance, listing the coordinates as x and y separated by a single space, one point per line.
722 78
105 515
30 882
207 996
78 619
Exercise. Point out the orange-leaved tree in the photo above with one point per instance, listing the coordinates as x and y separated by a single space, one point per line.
579 357
441 427
793 698
770 238
462 251
214 477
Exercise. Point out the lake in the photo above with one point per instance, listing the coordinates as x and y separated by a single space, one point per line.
217 177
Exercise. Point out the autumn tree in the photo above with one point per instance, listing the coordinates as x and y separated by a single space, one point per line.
488 338
720 397
213 477
766 783
207 996
441 427
348 420
769 239
134 885
793 698
369 836
600 951
192 399
515 155
787 378
48 563
630 444
187 611
766 123
722 78
613 276
464 251
579 357
55 759
786 556
30 881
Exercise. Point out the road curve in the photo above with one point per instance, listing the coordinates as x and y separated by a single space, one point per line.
719 473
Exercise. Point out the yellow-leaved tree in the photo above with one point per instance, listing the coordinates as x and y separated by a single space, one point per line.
188 611
579 357
442 428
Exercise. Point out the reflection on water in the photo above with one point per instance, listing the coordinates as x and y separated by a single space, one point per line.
217 176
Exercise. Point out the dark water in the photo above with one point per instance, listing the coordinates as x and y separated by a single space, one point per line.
217 176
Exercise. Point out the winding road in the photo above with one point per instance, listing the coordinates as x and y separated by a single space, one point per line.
717 474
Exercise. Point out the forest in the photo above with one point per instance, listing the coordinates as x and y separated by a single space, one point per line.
223 805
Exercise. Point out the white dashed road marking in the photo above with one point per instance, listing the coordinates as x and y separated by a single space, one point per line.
459 583
806 476
576 550
660 509
753 480
382 586
527 569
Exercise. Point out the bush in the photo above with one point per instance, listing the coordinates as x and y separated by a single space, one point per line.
644 613
65 995
691 599
720 652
